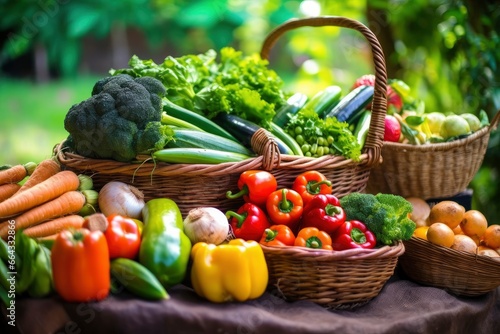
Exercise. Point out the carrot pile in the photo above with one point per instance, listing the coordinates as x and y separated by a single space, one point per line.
47 202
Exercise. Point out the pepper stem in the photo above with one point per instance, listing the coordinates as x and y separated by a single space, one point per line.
243 191
332 210
285 205
240 218
270 234
358 236
313 187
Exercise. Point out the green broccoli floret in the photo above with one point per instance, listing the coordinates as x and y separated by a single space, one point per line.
120 120
386 215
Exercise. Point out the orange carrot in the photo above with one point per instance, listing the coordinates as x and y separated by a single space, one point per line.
40 193
68 203
54 226
16 173
7 190
42 172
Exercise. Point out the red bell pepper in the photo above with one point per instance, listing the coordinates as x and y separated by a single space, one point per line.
323 212
311 183
311 237
285 207
353 234
123 237
255 186
81 265
278 235
248 222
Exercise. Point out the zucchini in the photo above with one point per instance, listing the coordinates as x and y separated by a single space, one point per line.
351 106
184 138
176 122
324 100
277 131
137 279
291 107
243 130
195 119
362 127
197 156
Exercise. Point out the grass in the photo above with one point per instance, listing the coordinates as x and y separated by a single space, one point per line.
33 116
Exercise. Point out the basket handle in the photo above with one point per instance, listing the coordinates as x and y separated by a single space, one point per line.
494 121
374 140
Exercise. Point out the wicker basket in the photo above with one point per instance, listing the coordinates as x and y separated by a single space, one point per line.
431 170
458 272
193 185
334 279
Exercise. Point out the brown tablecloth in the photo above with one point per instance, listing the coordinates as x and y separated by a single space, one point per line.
402 307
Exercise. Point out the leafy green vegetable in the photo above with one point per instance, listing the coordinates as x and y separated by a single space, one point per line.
319 136
386 215
234 84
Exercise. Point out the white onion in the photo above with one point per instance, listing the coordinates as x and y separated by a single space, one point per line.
206 224
121 199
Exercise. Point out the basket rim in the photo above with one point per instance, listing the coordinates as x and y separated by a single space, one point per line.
419 242
327 255
150 168
484 131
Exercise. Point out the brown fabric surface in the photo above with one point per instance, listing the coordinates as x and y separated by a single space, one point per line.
401 307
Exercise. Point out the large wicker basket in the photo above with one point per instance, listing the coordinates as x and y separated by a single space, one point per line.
430 170
458 272
334 279
193 185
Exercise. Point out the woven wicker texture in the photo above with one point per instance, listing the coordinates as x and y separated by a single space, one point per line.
193 185
430 170
458 272
333 279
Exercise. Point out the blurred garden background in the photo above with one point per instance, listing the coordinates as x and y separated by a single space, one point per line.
53 51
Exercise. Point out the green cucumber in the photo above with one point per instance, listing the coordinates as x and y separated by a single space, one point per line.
362 127
324 100
197 156
186 138
291 107
244 130
351 106
277 131
195 119
137 279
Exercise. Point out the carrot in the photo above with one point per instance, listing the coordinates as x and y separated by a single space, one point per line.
42 172
16 173
68 203
7 190
54 226
40 193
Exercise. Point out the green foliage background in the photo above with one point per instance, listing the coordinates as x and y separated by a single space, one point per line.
446 51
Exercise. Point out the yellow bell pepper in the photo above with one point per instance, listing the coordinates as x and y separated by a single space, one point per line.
236 271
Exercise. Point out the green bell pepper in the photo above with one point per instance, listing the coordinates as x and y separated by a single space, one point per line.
165 249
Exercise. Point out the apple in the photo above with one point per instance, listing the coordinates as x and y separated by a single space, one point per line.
392 130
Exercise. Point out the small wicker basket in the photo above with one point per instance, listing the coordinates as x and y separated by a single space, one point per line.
458 272
334 279
430 170
193 185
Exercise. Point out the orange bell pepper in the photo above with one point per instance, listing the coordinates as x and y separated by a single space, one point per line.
311 237
277 235
285 207
311 183
81 265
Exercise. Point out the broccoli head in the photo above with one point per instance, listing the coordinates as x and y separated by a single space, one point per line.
115 121
386 215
